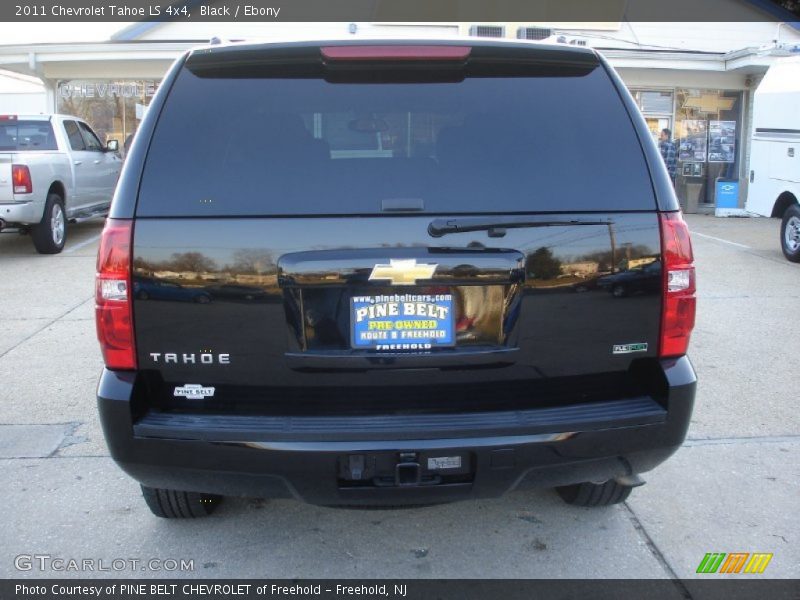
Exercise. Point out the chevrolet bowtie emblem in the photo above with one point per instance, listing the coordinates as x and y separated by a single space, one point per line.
402 272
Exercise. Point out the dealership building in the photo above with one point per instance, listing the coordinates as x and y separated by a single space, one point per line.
696 79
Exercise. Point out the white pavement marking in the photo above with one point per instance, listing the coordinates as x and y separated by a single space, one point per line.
711 237
758 439
43 327
91 240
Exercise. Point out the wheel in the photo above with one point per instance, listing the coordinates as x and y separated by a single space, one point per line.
594 494
618 291
51 232
142 295
174 504
790 233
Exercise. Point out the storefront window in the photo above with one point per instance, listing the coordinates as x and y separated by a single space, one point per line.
657 107
707 133
112 108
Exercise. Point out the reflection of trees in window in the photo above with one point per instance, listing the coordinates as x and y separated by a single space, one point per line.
180 262
247 261
195 262
619 259
252 260
541 264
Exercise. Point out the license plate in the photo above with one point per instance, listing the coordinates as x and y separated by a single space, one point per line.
397 322
444 462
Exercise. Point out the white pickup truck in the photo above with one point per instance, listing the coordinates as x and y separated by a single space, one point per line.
53 169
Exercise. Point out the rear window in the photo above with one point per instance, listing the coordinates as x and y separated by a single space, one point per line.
27 135
238 146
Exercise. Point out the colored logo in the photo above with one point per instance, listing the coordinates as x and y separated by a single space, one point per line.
735 562
402 321
403 272
628 348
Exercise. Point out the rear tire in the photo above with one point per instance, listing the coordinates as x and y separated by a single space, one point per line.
594 494
50 234
174 504
790 233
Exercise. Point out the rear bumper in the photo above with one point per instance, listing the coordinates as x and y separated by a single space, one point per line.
309 458
23 213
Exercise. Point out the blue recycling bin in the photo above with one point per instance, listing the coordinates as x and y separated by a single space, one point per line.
727 193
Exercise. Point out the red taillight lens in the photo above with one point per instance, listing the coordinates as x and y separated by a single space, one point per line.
21 176
680 304
113 309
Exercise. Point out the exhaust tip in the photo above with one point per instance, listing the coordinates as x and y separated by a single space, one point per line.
630 480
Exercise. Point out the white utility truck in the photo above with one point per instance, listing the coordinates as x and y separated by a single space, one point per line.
53 169
775 155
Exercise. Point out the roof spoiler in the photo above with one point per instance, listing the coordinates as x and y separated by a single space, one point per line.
478 58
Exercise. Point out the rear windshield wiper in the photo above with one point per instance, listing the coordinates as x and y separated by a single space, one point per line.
496 226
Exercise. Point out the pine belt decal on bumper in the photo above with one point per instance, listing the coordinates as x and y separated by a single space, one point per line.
629 348
194 391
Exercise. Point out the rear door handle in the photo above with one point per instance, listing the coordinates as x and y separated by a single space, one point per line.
97 162
78 162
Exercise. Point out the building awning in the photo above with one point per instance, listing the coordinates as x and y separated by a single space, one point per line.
744 61
150 59
95 60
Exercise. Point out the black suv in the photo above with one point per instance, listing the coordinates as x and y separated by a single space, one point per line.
398 247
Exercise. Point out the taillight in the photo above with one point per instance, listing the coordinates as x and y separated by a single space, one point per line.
678 312
404 53
21 176
113 309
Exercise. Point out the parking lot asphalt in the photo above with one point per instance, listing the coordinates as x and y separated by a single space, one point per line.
733 487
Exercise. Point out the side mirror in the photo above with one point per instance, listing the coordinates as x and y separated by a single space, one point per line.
112 146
